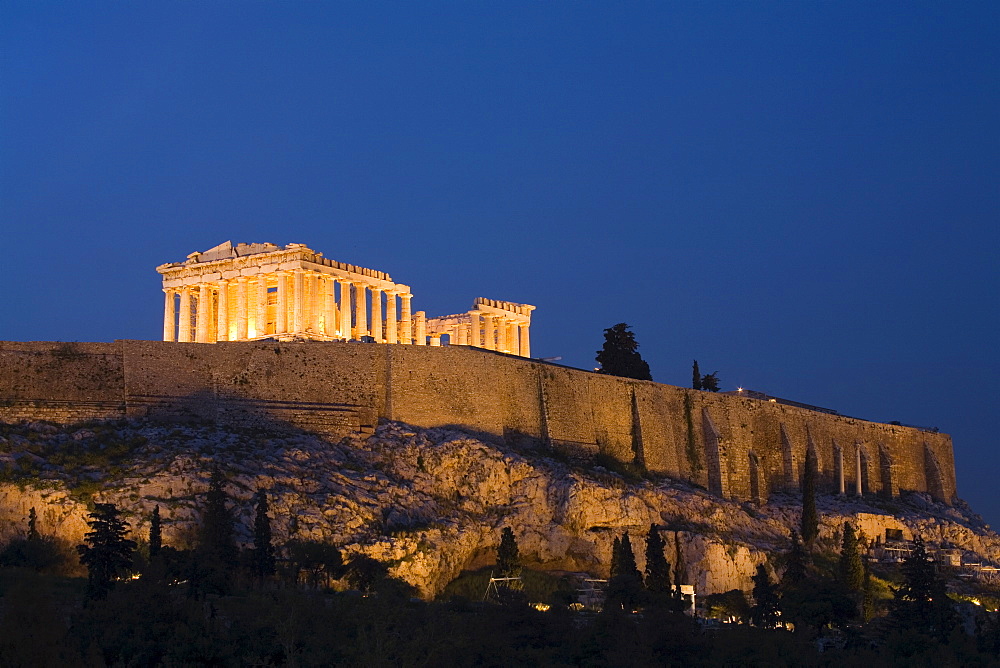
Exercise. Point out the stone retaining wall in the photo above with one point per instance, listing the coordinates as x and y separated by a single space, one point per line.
736 447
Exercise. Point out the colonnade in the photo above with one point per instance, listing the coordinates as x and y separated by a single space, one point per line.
254 291
293 303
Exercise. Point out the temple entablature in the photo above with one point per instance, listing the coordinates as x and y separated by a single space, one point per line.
255 291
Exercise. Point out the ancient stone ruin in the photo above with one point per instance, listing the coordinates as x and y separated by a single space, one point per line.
251 292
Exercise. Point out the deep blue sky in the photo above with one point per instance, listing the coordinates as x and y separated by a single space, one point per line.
803 196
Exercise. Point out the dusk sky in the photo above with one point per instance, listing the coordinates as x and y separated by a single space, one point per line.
804 196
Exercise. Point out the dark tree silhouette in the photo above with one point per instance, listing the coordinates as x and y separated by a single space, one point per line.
625 584
657 568
764 612
216 553
106 552
868 596
155 537
850 569
317 561
795 571
921 602
263 549
33 525
695 376
710 381
620 356
810 519
365 574
508 556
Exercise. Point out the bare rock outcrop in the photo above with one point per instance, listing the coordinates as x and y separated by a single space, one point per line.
429 502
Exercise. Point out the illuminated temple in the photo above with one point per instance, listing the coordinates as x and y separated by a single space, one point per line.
249 292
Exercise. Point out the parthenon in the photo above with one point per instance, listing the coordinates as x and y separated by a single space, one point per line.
249 292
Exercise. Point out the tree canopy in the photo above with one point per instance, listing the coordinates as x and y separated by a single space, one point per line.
106 552
620 356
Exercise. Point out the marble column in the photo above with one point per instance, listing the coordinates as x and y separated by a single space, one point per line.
260 322
436 340
281 312
474 330
222 324
329 308
360 310
345 308
391 326
204 313
525 343
462 335
377 315
169 316
841 488
489 332
857 482
315 302
502 335
241 309
405 324
420 325
298 300
513 338
184 316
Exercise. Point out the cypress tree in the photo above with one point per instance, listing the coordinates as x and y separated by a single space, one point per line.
851 570
810 519
695 376
625 585
33 525
155 538
216 552
263 550
508 555
620 357
795 572
868 597
657 568
616 551
106 552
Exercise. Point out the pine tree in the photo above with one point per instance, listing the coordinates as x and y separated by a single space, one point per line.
921 602
764 612
620 357
710 381
107 553
155 537
810 519
695 376
33 525
851 570
263 549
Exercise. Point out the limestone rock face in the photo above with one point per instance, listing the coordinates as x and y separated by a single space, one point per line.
429 502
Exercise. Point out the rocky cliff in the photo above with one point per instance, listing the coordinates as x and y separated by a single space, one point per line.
431 502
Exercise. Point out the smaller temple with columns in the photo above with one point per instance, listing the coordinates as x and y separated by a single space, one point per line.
249 292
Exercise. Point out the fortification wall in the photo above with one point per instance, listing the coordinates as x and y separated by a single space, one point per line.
736 447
